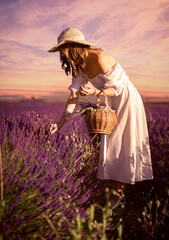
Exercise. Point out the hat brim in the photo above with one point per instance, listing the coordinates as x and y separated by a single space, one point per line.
84 42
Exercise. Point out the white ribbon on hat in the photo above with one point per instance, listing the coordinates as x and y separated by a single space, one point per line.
70 38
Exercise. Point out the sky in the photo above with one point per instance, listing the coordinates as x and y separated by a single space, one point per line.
135 33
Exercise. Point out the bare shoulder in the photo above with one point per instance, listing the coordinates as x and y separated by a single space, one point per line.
105 61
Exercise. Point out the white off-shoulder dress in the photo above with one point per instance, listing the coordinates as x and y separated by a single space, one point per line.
128 158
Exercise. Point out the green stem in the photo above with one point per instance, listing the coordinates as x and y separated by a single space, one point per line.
2 197
1 176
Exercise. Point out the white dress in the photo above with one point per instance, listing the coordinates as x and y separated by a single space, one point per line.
128 157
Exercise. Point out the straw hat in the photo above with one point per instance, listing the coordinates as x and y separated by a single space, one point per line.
70 35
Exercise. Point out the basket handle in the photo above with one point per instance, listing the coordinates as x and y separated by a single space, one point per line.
105 99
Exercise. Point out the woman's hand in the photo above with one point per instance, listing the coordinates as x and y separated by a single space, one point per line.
53 128
87 90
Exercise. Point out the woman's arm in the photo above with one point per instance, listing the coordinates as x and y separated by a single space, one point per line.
108 91
70 106
91 90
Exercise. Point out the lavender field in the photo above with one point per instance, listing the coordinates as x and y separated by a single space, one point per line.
49 188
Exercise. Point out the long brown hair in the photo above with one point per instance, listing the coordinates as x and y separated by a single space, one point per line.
73 56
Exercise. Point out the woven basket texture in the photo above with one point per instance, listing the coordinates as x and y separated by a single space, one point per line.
101 120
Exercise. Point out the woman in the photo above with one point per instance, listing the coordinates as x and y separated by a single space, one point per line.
128 152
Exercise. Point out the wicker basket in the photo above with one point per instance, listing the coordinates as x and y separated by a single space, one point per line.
102 119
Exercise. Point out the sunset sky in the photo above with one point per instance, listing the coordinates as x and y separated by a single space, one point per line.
135 32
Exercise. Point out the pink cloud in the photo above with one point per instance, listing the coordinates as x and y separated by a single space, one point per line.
136 33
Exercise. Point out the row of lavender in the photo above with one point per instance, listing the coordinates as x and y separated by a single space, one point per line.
49 180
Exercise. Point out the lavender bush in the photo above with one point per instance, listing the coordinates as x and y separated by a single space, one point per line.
149 203
50 190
